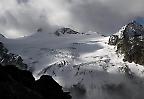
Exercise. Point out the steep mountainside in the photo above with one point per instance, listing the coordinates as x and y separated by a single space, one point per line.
7 58
130 42
82 63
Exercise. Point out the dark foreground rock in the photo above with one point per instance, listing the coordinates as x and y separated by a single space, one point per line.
20 84
50 88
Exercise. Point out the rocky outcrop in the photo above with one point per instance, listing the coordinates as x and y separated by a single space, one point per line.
62 31
7 58
20 84
130 43
113 40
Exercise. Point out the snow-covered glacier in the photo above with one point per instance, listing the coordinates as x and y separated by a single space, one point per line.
82 63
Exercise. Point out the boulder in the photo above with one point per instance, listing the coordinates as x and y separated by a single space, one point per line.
15 84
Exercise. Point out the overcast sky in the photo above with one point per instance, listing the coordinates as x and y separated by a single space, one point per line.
23 17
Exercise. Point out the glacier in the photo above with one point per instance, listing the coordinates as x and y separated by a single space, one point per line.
82 63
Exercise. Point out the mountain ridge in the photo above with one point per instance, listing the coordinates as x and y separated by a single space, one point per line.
82 64
130 42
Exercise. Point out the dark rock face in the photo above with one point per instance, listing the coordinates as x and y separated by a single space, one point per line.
65 31
131 43
20 84
7 58
14 85
50 88
113 40
22 76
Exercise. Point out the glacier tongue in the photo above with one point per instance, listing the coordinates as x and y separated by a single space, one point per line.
83 63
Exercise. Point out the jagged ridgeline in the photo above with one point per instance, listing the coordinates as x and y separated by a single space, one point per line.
130 42
7 58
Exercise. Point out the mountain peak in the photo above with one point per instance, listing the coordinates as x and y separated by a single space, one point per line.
134 29
130 42
64 30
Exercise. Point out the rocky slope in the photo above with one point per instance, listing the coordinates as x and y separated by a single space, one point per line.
7 58
130 43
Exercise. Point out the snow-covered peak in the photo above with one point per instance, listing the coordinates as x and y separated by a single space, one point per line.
130 42
83 64
120 32
62 31
132 29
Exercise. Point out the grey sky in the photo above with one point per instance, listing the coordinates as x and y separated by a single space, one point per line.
23 17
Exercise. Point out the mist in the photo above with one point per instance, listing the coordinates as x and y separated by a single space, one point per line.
23 17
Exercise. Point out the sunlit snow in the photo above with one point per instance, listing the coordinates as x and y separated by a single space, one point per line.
85 60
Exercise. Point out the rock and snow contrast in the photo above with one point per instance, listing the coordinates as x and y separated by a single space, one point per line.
88 65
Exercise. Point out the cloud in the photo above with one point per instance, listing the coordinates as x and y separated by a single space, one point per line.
23 17
22 1
106 16
20 19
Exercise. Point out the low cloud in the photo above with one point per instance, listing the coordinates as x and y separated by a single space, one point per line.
23 17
